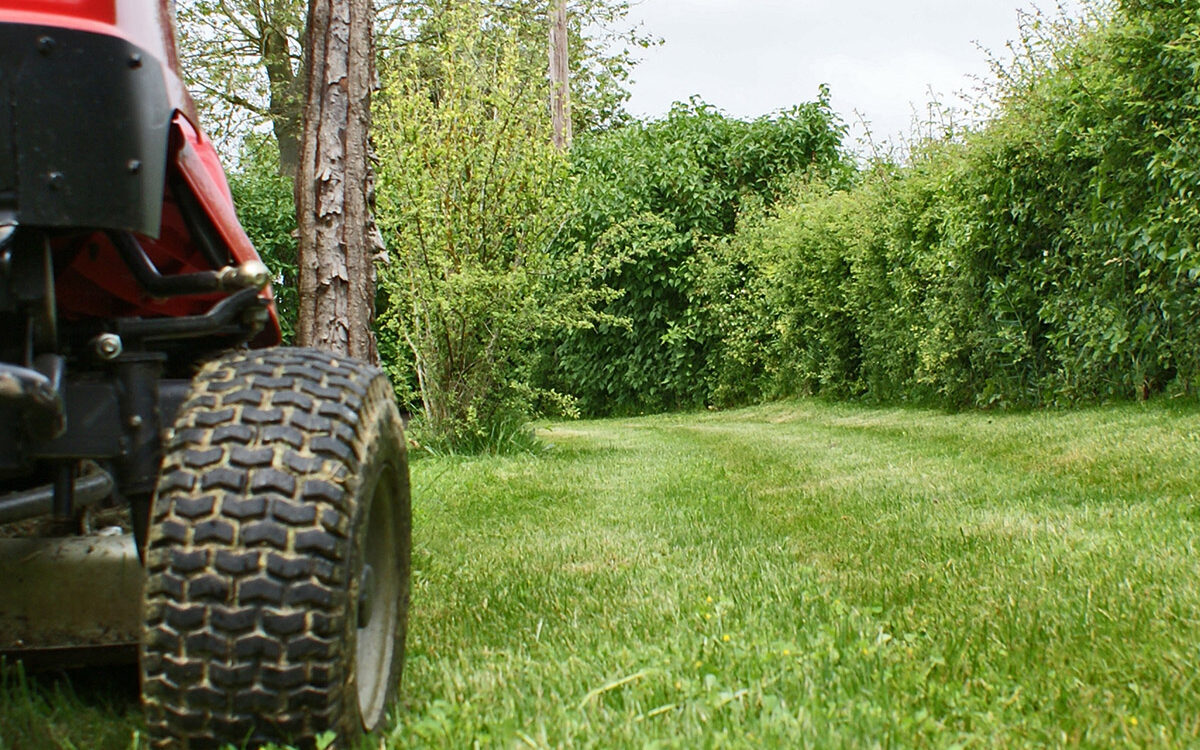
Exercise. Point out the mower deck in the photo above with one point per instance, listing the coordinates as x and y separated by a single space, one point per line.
70 601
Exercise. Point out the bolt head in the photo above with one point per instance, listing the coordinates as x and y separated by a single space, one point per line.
108 346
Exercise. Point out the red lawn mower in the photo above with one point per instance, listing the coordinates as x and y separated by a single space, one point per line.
174 486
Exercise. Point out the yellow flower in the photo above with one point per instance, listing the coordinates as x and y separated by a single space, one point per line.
709 600
699 664
707 615
678 685
725 638
787 652
1133 722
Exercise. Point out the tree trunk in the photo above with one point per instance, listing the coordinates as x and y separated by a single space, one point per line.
286 103
560 85
335 184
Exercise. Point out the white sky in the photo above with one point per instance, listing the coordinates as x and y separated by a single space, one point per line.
881 58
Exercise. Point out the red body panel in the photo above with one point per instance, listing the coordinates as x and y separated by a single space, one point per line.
95 283
64 11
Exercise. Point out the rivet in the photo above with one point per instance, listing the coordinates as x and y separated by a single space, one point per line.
134 166
135 60
46 44
55 180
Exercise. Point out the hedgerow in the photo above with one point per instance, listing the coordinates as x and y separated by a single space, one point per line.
647 200
1046 258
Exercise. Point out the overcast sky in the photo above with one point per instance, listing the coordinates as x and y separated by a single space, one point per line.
881 58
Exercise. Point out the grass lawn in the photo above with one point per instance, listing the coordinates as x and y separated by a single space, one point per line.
801 574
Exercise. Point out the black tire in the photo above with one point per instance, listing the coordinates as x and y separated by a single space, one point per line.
277 589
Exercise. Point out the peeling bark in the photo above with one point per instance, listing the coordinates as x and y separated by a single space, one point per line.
335 186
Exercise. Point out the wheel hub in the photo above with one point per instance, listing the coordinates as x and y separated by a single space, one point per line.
366 595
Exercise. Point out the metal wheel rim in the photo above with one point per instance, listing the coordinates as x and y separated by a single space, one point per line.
376 643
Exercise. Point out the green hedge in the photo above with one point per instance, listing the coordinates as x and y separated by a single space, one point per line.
647 199
1048 258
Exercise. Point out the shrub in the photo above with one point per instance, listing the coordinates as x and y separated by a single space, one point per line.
1049 257
649 198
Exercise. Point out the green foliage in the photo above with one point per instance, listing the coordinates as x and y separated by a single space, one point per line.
1049 257
267 211
470 198
649 198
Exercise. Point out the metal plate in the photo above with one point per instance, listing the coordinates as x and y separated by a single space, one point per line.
73 593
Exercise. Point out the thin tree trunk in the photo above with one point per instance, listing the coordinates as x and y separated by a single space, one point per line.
286 103
560 86
335 183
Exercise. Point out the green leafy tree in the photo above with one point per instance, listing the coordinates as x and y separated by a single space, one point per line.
471 195
241 60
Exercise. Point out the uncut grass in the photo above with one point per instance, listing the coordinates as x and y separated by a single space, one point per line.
814 574
95 710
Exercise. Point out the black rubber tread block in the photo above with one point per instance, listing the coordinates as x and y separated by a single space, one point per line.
282 433
195 506
188 561
234 620
256 646
302 465
209 588
214 530
284 624
201 458
293 514
301 401
206 642
223 478
290 567
237 562
262 416
266 479
246 457
319 542
164 640
246 396
243 508
213 418
260 590
185 618
266 533
232 433
284 678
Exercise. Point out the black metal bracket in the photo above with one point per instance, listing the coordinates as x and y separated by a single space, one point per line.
252 275
238 315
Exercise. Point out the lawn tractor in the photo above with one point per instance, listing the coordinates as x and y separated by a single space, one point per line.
175 487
